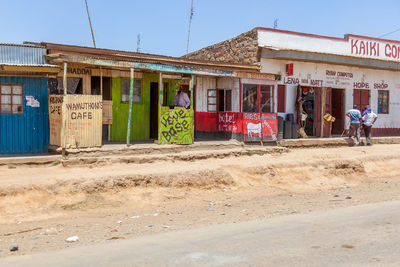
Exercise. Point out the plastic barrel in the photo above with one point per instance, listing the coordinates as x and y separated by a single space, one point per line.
287 132
290 117
280 128
295 127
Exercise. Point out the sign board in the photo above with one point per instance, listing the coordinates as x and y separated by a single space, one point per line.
55 118
257 127
75 120
176 126
230 122
350 45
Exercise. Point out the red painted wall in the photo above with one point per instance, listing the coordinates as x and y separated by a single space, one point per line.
385 131
206 121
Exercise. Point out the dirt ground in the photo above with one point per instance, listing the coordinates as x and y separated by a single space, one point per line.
41 206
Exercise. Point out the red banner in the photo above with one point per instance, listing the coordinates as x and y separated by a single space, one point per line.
230 122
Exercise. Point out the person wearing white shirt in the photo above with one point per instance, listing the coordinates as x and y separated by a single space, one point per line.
369 118
182 99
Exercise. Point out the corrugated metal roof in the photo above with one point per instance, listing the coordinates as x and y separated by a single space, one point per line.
141 57
22 55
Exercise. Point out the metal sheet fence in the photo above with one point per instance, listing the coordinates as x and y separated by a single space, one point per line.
26 133
80 122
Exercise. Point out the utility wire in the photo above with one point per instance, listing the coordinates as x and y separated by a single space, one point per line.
389 33
190 23
90 23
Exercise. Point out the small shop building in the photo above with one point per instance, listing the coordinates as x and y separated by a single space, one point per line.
24 127
108 75
311 76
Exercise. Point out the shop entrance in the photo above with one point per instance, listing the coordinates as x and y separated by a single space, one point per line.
153 110
338 110
308 105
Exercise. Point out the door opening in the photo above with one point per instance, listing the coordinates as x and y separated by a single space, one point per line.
338 110
153 110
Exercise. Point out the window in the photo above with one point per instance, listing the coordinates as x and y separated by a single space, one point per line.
74 85
224 100
383 102
212 100
250 98
137 90
11 99
95 87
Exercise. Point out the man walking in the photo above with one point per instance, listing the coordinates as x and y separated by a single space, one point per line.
355 122
369 118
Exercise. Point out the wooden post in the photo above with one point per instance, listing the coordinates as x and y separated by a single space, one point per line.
101 82
192 103
63 152
191 91
128 134
65 78
160 102
323 103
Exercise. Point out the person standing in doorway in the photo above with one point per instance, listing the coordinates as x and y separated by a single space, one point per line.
355 123
182 99
369 118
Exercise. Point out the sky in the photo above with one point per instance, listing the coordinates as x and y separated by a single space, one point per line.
163 24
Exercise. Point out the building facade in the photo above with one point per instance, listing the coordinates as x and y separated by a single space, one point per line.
315 75
24 126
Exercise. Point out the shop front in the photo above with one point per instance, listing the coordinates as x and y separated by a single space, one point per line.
24 127
138 91
240 107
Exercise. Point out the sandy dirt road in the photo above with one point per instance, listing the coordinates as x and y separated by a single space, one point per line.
364 235
42 206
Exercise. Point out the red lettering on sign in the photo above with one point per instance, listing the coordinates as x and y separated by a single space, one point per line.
373 48
388 53
394 51
354 48
362 47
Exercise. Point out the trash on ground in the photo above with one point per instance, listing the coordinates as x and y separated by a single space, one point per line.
14 247
72 239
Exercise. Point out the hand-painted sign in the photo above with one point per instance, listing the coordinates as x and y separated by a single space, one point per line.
263 126
230 122
82 71
269 126
75 120
176 126
55 118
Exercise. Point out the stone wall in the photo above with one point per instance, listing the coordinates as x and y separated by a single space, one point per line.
240 49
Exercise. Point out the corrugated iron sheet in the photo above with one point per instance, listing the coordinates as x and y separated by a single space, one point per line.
26 133
23 55
55 118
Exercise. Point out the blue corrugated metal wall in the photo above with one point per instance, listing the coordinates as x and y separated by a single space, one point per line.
26 133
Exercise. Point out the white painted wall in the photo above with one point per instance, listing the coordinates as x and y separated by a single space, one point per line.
316 71
351 46
202 85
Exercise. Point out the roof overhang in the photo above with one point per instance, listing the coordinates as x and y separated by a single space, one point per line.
276 53
27 69
60 58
